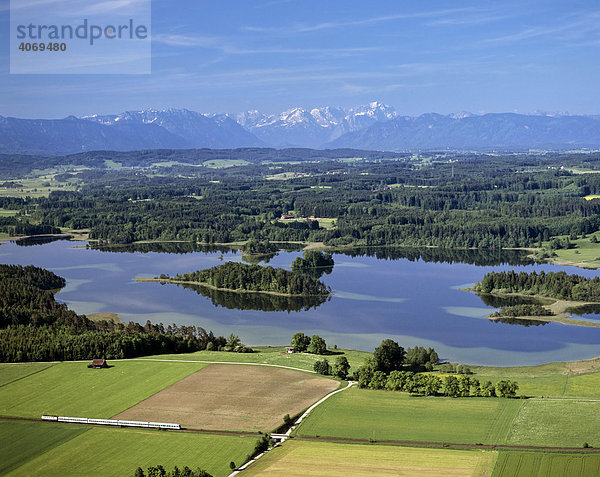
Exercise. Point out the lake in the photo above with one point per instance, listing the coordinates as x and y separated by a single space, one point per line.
411 300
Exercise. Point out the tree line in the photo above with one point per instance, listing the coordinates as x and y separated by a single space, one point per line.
34 327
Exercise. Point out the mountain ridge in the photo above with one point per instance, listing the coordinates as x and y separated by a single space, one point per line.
373 126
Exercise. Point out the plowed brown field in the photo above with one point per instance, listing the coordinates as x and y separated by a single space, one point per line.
233 397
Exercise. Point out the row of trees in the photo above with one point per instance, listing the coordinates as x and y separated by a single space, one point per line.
160 471
241 276
340 367
552 284
432 385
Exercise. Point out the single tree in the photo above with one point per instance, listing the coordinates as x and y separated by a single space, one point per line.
300 342
233 341
341 367
389 356
451 386
322 367
378 381
317 345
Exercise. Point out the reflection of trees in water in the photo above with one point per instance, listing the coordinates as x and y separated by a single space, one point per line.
520 322
258 301
486 257
163 247
255 259
316 272
592 309
498 301
30 241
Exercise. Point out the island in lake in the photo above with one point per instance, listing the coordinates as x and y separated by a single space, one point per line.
244 278
555 295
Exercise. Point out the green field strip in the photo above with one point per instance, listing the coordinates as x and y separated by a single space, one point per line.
556 423
25 441
508 409
317 458
583 386
551 464
71 389
9 373
396 416
269 355
107 452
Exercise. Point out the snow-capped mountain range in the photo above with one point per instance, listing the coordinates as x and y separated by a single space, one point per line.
374 126
314 127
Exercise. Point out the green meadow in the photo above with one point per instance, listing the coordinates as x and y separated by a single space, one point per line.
387 415
63 449
551 464
71 389
24 441
14 372
271 355
563 422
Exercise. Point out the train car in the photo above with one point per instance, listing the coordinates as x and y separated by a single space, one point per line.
78 420
104 422
133 423
48 417
165 425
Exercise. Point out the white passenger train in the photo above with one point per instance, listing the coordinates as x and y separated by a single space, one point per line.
112 422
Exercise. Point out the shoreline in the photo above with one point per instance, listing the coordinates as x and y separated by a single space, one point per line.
83 235
558 307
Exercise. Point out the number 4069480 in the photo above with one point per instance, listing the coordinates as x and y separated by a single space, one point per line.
43 46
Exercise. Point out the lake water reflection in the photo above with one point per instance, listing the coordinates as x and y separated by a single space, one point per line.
413 301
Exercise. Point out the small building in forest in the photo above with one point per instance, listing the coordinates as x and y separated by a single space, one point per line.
290 349
98 363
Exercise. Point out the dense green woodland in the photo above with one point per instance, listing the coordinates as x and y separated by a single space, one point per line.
34 327
240 276
452 201
552 284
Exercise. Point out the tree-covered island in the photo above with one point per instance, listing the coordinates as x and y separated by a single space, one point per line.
242 277
567 291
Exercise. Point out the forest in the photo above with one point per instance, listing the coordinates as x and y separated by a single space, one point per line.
243 277
35 327
485 202
551 284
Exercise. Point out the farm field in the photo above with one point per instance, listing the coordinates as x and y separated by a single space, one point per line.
584 254
24 441
109 452
551 464
563 422
100 393
311 458
36 187
229 397
270 355
564 379
381 415
13 372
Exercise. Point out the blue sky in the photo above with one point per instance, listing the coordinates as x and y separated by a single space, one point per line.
434 56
